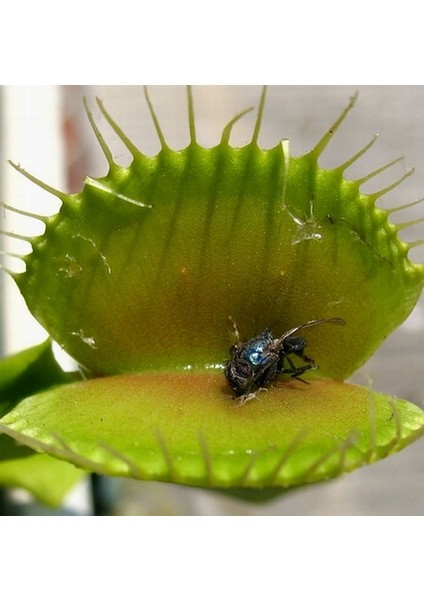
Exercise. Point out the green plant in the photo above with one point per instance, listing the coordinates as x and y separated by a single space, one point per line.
136 277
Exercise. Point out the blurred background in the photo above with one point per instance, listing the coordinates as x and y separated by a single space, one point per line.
45 129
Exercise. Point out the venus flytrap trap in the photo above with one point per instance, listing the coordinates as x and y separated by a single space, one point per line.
137 276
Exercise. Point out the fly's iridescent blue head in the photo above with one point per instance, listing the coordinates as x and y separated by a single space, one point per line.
257 351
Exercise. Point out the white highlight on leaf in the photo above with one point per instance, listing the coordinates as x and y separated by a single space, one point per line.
214 366
105 188
307 229
341 300
72 267
90 341
93 243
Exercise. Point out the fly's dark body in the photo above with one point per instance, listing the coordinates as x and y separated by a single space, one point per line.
259 361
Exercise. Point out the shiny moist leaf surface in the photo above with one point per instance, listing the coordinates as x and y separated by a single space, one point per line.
187 429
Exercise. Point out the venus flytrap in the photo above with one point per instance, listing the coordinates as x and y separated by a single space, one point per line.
137 276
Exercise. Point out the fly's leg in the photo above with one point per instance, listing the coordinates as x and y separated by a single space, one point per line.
296 371
241 400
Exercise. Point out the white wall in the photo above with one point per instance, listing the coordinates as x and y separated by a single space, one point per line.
31 137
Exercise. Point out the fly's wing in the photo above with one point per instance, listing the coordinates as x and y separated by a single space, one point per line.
290 332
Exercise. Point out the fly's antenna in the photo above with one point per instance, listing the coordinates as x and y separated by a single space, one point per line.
334 320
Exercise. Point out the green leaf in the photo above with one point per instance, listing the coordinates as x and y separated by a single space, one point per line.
46 478
185 428
141 270
23 374
139 273
28 372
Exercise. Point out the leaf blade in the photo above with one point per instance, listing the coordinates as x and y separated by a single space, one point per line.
22 374
185 429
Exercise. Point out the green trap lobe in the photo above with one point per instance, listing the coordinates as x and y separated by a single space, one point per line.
187 429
